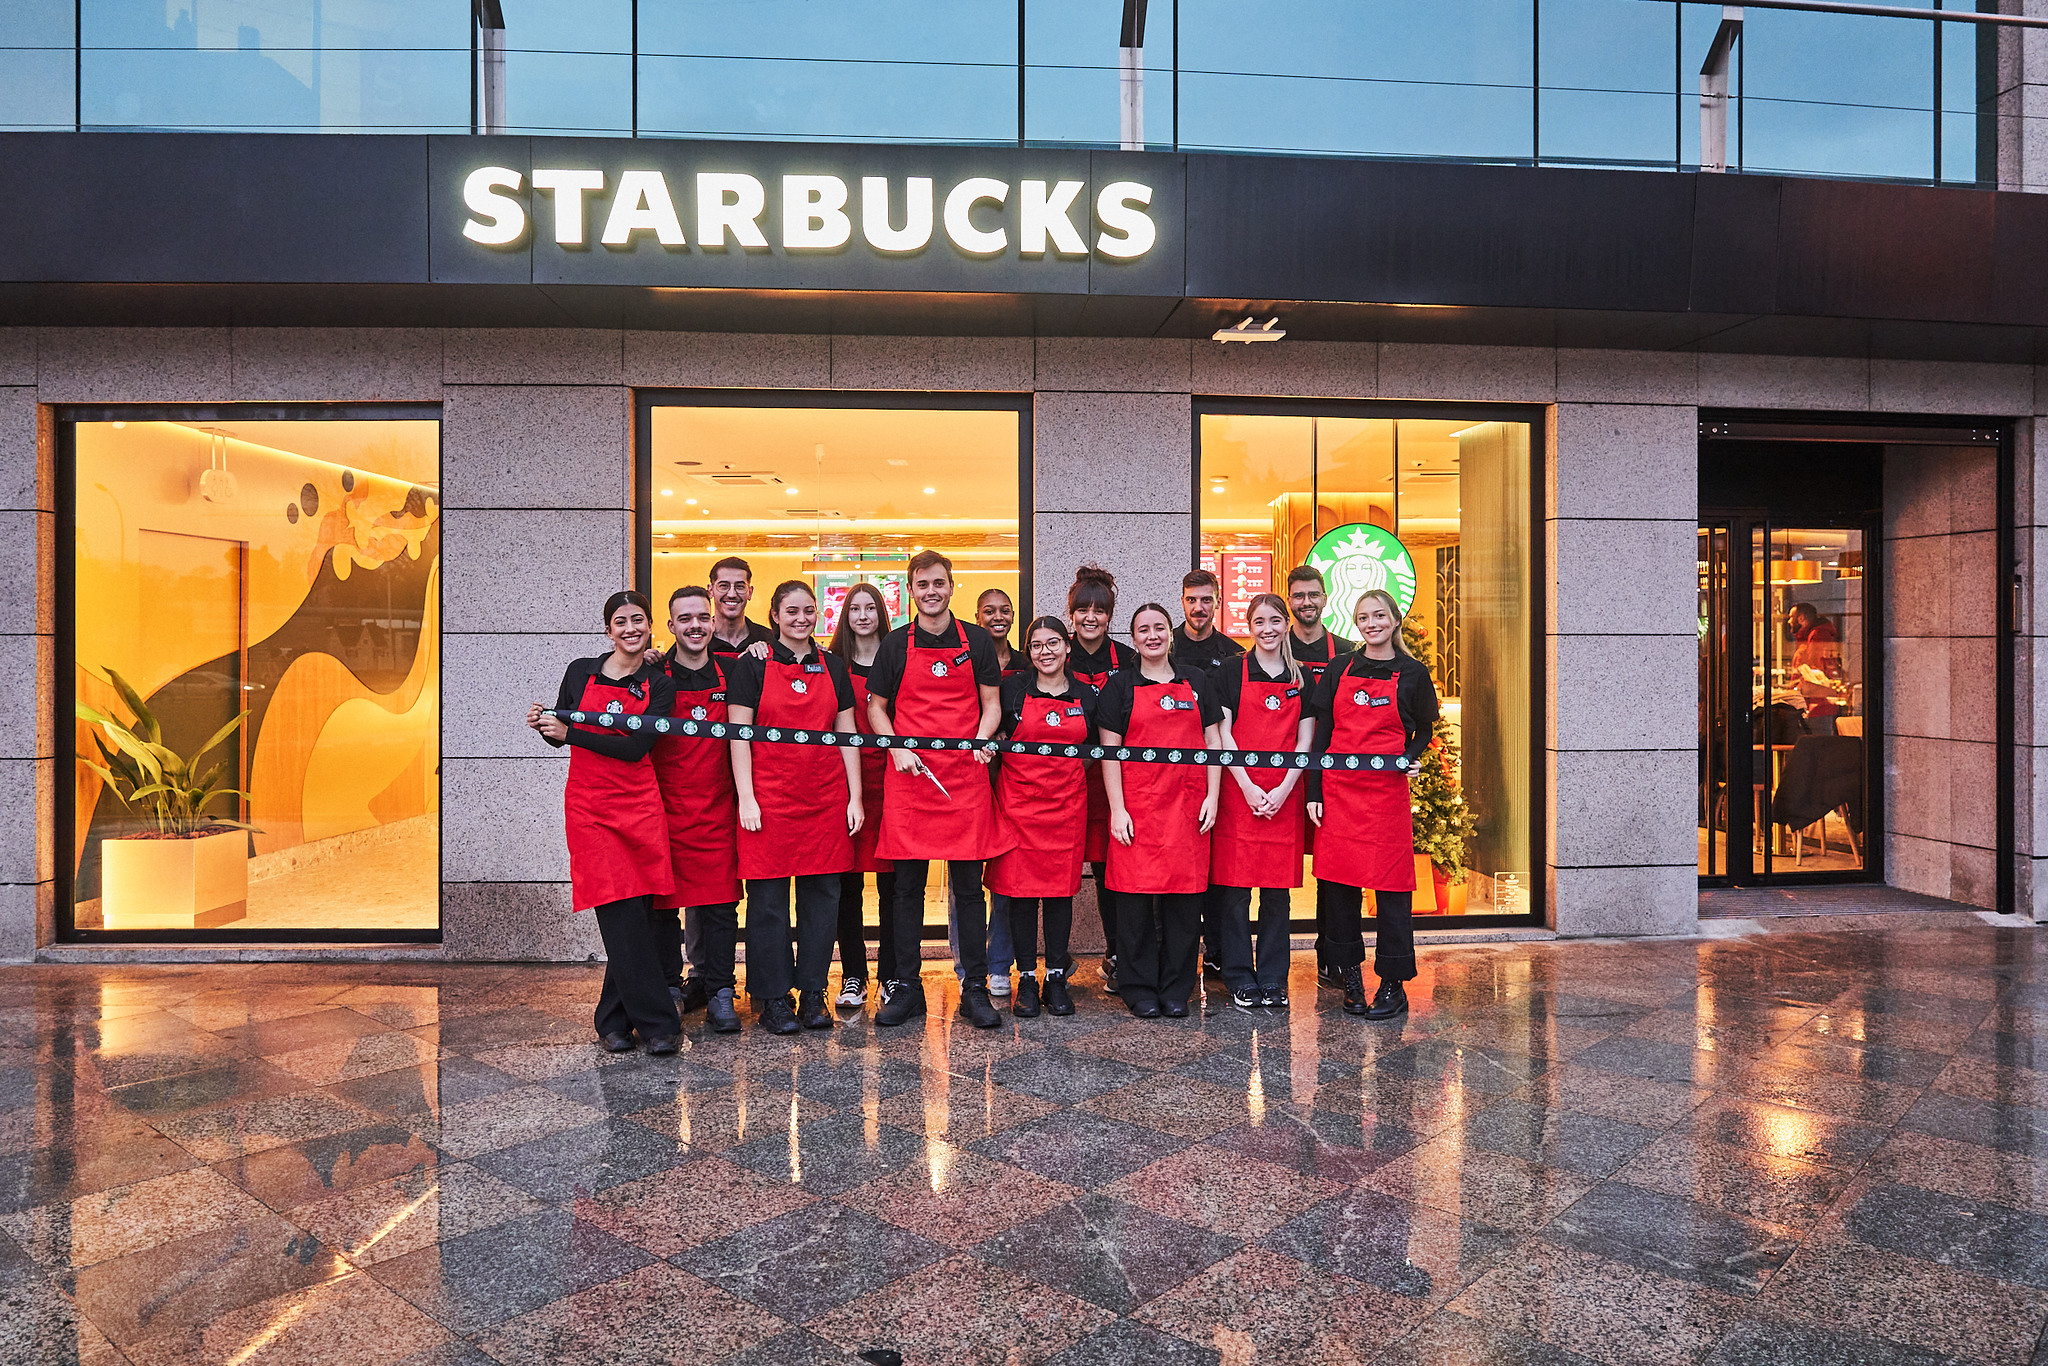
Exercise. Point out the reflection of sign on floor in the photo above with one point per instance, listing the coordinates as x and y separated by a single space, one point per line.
1355 559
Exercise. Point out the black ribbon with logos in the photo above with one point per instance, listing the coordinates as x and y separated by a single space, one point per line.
1127 754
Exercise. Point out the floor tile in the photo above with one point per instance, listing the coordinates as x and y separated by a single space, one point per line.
1448 1339
1588 1090
1940 1164
1776 1190
1972 1235
1413 1251
1487 1070
1173 1104
1078 1148
1587 1144
1260 1306
961 1113
1107 1252
100 1160
243 1079
583 1161
1780 1131
654 1314
956 1197
1660 1061
39 1324
194 1281
1873 1102
800 1264
515 1024
1875 1062
1787 1342
319 1167
1063 1076
834 1154
504 1119
497 1273
1904 1299
294 1033
364 1055
1149 1043
112 1223
798 1347
426 1089
638 1083
1223 1191
2012 1128
1480 1186
1126 1342
961 1313
1674 1237
1914 1005
1341 1148
714 1121
237 1130
1982 1079
684 1207
385 1221
349 1319
1596 1308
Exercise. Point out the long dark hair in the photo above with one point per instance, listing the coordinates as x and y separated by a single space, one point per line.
842 634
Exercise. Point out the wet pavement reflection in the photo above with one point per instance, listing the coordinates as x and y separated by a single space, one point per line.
1821 1148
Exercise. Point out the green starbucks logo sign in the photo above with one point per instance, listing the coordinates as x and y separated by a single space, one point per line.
1356 559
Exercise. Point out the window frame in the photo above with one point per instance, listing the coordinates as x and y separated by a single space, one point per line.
1535 418
66 418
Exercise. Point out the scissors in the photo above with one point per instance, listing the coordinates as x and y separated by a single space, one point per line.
924 768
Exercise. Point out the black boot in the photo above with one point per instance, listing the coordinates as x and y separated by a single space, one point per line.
901 1001
724 1019
811 1012
974 1006
1024 1005
1354 989
1057 1001
775 1016
1390 1000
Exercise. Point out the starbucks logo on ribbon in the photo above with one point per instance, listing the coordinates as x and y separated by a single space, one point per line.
1355 559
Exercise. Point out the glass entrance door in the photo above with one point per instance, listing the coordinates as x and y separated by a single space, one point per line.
1786 678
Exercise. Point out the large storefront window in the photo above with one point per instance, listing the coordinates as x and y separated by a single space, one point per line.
255 661
835 492
1438 511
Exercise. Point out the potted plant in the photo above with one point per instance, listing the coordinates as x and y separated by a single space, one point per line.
188 868
1443 823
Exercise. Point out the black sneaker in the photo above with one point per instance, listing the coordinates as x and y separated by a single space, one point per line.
617 1043
1024 1005
1057 1001
811 1012
1174 1010
1390 1000
1144 1007
1327 976
691 995
661 1045
775 1016
1354 990
900 1001
1245 998
725 1019
1274 998
975 1007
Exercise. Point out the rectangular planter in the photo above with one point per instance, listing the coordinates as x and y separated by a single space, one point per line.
189 884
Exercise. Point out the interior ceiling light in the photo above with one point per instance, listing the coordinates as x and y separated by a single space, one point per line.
687 502
670 493
931 490
1245 331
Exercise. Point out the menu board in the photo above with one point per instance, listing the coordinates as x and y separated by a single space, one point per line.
1245 575
832 586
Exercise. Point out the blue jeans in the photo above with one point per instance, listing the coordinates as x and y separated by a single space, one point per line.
1002 953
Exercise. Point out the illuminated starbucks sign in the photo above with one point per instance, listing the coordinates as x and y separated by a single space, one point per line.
1354 560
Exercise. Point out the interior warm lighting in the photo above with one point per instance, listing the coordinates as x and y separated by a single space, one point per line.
791 493
1245 331
687 502
931 490
670 493
1795 571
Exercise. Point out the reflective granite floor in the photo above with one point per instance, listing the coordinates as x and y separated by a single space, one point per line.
1783 1150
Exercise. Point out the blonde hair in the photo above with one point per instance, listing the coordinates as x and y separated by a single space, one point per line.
1393 610
1278 604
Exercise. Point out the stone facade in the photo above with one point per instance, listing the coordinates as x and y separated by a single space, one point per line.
537 477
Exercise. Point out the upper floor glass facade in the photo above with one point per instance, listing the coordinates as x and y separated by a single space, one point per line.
1572 82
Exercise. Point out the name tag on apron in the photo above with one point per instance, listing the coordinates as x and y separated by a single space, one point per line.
1292 692
1076 711
962 658
814 667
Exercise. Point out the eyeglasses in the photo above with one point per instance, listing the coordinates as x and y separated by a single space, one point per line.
1041 646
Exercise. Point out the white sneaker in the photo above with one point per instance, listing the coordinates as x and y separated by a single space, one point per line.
853 994
999 986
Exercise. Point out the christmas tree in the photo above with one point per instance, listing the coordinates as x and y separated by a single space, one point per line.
1443 824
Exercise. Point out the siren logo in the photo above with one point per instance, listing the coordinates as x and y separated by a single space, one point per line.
816 213
1355 559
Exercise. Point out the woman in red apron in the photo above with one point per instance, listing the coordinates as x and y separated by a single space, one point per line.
1160 815
857 638
695 773
799 807
1375 716
938 677
1091 605
1258 839
618 834
1042 797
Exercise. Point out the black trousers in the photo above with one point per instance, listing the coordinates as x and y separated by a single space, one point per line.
1105 906
969 909
1158 950
853 936
1059 926
1323 923
1393 957
770 968
1241 969
713 935
1213 902
634 995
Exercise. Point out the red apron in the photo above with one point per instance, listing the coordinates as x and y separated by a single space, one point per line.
1041 800
1368 834
1248 850
618 835
801 789
872 762
1098 796
938 696
695 773
1168 852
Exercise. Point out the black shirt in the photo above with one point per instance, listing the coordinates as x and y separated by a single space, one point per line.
1414 695
1119 696
706 679
1101 662
1017 687
1331 646
743 683
1228 683
1204 654
651 682
885 677
755 631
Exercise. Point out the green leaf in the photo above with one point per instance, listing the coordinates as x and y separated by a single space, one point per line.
145 719
137 751
223 733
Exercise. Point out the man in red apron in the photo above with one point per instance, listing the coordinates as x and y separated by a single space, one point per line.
695 773
1314 648
1200 644
938 676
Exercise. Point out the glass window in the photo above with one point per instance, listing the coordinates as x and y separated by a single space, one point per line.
835 496
857 70
569 68
1286 490
1607 69
1073 81
356 65
1831 94
36 65
1449 79
271 588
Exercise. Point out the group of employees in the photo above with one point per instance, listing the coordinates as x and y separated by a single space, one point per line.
667 834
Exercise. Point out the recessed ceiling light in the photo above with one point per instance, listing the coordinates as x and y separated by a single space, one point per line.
668 493
689 502
931 490
791 492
